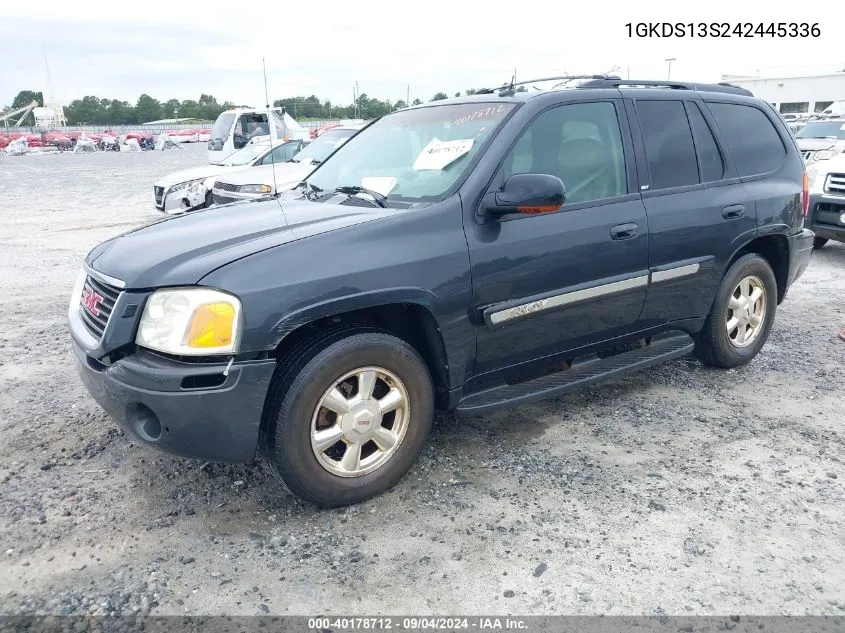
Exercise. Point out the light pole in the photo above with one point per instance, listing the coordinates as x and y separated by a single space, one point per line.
670 60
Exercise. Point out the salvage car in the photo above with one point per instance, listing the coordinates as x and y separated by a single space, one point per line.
271 178
171 193
463 255
826 217
821 139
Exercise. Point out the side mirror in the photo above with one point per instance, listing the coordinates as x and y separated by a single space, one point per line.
526 193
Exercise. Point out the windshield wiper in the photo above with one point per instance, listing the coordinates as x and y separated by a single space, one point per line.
378 198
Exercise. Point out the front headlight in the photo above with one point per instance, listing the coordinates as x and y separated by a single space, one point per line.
824 154
182 185
255 189
191 322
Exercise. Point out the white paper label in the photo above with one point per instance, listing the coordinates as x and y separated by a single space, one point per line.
382 184
842 219
438 154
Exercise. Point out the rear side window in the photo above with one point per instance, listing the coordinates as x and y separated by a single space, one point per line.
668 144
753 141
709 156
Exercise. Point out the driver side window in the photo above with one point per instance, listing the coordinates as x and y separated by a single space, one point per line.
581 144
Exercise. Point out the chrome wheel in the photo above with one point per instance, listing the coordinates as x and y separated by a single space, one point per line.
360 422
746 312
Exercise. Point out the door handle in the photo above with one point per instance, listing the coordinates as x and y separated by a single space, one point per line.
624 231
733 211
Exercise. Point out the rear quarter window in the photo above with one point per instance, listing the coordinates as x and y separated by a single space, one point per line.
751 137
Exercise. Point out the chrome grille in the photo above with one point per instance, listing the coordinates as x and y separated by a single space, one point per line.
835 183
159 194
96 304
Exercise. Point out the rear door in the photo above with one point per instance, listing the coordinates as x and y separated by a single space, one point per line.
699 212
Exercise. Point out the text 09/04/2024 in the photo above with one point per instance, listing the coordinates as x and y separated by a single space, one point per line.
723 29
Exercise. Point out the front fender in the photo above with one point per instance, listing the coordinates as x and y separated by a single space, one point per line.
347 303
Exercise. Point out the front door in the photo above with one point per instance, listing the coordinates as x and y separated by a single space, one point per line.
549 283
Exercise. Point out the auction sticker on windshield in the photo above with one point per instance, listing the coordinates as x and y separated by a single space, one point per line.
438 154
382 184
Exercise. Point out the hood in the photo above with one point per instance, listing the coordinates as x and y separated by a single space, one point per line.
183 249
815 144
285 173
194 173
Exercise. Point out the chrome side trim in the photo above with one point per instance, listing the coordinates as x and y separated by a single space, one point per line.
674 273
112 281
556 301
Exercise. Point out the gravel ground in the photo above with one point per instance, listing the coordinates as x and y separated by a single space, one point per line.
679 490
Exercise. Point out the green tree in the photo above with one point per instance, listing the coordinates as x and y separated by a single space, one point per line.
469 92
147 109
85 110
170 109
23 99
119 112
399 105
522 89
439 96
417 102
458 93
189 109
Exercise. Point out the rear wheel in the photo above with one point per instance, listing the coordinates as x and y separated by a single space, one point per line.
742 314
350 418
819 242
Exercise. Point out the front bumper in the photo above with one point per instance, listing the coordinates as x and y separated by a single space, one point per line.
188 409
800 252
826 216
170 202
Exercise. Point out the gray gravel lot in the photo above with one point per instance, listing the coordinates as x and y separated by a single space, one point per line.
679 490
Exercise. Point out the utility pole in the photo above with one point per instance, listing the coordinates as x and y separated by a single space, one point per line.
408 96
670 60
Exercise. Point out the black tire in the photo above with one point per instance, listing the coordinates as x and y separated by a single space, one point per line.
713 345
819 242
296 391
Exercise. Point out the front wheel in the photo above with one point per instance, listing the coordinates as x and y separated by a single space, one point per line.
347 424
742 314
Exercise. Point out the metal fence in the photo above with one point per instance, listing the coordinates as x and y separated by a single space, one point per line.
123 129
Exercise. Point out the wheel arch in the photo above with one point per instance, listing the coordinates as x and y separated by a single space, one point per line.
774 248
405 313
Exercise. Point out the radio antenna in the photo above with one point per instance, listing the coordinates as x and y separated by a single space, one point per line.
272 125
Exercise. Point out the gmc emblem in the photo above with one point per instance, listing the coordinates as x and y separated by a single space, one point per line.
90 299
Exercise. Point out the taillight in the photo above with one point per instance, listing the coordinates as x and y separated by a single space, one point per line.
805 195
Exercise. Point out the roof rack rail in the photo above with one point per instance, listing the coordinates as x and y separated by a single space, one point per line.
676 85
508 88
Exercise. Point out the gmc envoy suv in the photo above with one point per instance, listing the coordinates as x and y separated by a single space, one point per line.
462 255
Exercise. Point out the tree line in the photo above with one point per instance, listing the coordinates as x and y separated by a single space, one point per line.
92 110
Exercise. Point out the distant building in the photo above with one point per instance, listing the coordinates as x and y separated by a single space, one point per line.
805 94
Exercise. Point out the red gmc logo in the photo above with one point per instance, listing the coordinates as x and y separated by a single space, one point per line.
90 299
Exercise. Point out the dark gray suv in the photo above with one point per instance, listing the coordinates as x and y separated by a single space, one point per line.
462 256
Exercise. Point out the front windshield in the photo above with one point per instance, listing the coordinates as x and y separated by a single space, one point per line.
222 126
322 147
245 155
413 154
823 129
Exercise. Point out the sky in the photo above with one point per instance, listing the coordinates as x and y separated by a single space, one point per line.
121 50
